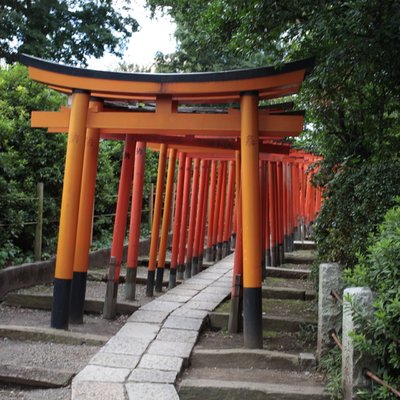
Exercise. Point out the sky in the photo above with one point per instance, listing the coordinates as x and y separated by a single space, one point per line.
153 35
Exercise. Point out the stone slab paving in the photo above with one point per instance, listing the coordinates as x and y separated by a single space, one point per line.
145 358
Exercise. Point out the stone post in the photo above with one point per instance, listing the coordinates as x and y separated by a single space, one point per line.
353 363
329 311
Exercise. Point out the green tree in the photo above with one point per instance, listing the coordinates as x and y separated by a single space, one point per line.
63 30
27 156
351 97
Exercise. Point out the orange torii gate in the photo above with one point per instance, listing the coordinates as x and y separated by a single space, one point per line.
245 128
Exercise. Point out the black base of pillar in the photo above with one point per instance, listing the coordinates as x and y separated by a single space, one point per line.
195 266
180 272
110 302
159 279
274 262
268 258
188 270
252 318
292 242
263 266
200 263
214 253
61 300
219 252
77 302
150 283
281 254
130 283
226 250
172 278
209 254
233 240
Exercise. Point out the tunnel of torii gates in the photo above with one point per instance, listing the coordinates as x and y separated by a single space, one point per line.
237 182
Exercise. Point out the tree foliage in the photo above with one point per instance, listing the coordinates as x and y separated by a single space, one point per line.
351 97
62 30
378 335
29 156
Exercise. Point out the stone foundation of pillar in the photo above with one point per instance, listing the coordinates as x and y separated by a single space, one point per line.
209 254
225 249
130 283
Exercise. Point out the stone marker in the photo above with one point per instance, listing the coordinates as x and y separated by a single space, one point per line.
352 363
329 311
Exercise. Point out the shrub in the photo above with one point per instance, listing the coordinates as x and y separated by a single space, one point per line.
379 335
356 200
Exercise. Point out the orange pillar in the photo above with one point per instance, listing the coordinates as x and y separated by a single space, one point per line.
252 296
155 231
237 185
226 247
84 227
267 243
177 221
237 276
216 207
261 167
192 218
183 227
280 225
211 201
221 213
199 219
69 210
136 217
169 191
272 211
204 217
121 214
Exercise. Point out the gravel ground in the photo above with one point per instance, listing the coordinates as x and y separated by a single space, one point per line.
55 356
18 393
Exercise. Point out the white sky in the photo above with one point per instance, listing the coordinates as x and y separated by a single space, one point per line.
153 35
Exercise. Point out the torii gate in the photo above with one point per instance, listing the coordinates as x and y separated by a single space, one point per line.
88 118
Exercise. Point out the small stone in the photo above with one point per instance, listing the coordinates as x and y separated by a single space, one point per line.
178 335
148 316
151 391
163 363
193 324
97 390
102 374
115 360
176 349
125 345
139 330
152 375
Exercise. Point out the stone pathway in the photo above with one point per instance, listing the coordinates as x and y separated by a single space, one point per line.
144 359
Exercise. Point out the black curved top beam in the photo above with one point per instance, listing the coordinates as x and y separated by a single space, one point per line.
238 74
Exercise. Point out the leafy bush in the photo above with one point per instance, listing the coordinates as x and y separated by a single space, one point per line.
379 335
356 199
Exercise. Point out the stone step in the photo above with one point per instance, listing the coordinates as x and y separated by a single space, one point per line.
232 385
300 257
269 292
33 333
45 302
141 279
288 273
219 320
34 376
251 358
305 245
